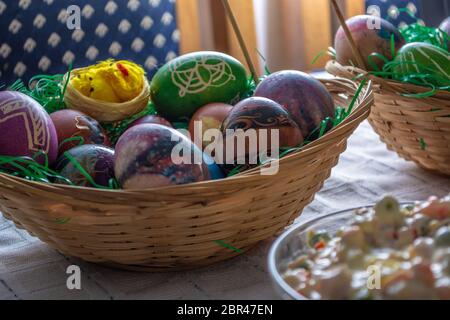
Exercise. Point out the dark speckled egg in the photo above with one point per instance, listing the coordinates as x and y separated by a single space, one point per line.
72 123
258 113
96 160
151 119
304 97
152 155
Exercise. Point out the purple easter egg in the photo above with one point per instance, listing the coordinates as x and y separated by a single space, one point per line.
147 156
26 128
96 160
304 97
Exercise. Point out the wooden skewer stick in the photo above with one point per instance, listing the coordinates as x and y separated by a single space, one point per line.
240 39
356 53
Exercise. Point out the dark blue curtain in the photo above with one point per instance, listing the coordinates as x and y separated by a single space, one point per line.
431 12
393 10
35 38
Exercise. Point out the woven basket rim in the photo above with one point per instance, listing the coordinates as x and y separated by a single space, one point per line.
363 103
393 84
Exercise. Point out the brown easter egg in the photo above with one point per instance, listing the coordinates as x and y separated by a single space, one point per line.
71 124
305 98
210 116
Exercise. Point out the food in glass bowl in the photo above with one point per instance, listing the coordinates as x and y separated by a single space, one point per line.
385 252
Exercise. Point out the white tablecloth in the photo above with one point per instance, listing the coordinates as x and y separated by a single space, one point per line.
367 171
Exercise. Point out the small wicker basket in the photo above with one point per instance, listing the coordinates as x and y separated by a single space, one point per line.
178 227
418 129
105 111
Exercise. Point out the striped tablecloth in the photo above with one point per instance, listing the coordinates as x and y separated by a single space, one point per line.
31 270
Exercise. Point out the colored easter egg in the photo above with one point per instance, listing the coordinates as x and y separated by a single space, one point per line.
148 156
151 119
193 80
371 35
96 160
257 114
26 128
210 116
305 98
445 26
423 58
71 124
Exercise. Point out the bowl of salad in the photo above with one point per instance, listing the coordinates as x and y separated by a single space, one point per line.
386 251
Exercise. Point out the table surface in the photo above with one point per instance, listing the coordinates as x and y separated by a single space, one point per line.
367 170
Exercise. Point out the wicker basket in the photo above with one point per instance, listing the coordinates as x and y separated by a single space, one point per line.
178 227
105 111
418 129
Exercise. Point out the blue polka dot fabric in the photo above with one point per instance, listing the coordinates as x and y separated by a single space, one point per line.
395 10
40 36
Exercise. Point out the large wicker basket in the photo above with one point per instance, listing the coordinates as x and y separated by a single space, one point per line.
181 227
418 129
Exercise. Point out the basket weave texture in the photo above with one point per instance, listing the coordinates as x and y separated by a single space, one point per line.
101 110
418 129
178 227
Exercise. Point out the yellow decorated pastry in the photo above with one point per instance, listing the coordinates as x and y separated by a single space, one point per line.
110 81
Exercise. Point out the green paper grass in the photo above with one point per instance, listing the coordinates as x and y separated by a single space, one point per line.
48 90
418 33
423 145
227 246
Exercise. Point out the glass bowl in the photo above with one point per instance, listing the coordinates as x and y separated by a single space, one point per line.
293 242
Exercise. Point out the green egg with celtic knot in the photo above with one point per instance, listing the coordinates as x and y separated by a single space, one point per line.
188 82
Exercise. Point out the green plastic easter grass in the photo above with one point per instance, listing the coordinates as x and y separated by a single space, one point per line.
80 141
28 168
228 246
423 145
418 33
63 220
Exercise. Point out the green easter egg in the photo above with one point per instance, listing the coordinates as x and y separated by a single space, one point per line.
193 80
423 58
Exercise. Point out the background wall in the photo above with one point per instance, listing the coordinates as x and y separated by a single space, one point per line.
290 33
